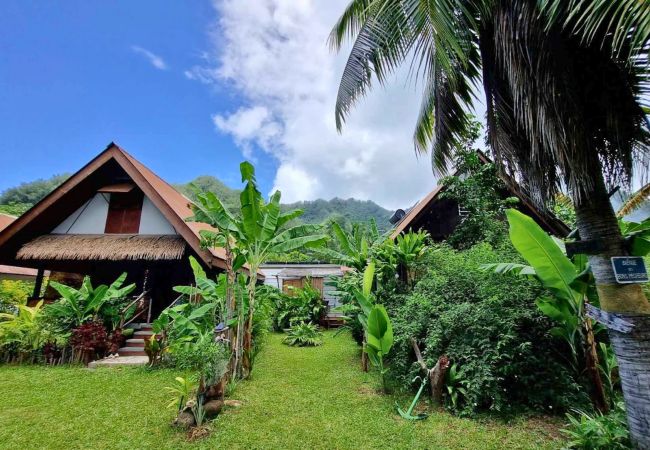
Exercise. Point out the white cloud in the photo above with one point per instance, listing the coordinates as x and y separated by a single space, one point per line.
250 125
153 59
276 59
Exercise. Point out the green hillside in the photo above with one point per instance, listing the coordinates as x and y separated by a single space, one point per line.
342 211
17 200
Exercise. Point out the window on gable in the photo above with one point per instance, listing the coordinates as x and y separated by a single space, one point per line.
124 212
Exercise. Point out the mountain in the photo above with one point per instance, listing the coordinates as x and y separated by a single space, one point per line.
343 211
17 200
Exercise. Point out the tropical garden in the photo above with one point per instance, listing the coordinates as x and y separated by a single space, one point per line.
487 339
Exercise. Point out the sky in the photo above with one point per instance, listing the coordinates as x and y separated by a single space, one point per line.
193 88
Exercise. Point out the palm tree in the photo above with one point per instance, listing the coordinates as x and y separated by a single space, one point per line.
562 110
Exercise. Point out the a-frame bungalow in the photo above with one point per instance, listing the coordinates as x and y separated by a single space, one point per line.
439 216
114 215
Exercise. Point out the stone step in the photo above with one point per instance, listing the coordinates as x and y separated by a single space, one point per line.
135 343
131 351
142 334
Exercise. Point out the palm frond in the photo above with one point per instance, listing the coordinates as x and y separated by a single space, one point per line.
626 22
634 202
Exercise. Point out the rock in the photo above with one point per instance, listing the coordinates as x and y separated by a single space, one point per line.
184 420
213 408
233 403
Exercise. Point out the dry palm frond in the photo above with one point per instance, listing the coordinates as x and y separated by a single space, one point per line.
634 202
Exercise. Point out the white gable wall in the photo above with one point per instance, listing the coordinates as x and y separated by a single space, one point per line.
90 218
152 220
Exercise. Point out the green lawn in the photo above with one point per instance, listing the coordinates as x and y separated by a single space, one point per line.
298 398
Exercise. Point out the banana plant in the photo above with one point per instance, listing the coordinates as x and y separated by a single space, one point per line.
206 290
260 230
79 305
354 248
569 282
379 339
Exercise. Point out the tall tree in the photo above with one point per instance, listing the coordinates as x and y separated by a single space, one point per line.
561 110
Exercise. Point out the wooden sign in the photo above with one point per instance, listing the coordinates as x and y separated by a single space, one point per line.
629 269
610 320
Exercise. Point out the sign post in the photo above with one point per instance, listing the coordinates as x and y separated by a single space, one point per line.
629 269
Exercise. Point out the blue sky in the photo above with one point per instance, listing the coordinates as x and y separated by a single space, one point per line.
191 88
71 82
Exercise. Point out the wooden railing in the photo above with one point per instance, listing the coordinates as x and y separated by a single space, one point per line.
140 309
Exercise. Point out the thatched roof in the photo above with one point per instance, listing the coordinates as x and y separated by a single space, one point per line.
104 247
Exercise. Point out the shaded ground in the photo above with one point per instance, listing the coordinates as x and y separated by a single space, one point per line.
298 398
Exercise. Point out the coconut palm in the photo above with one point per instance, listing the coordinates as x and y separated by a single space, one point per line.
562 111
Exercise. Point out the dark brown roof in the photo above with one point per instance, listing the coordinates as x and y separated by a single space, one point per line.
543 217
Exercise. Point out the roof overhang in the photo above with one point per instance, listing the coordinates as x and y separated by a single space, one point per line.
87 247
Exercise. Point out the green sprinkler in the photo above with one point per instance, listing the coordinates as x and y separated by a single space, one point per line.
408 415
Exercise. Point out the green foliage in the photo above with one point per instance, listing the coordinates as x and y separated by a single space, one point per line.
13 293
32 192
21 329
181 392
15 209
379 339
639 234
564 210
598 431
304 334
77 306
354 247
204 357
299 305
342 211
479 193
486 325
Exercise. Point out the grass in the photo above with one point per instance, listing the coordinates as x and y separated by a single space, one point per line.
298 398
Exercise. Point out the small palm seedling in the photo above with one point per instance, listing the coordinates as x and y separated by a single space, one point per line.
181 392
304 335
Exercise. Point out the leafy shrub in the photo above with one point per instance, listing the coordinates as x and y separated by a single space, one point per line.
13 293
598 431
304 335
299 305
89 340
489 327
206 357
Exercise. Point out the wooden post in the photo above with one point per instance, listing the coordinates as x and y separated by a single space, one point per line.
38 285
436 375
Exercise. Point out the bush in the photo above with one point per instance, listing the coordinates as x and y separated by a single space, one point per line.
598 431
206 357
13 293
300 305
304 335
490 329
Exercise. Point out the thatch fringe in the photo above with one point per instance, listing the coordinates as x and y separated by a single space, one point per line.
74 247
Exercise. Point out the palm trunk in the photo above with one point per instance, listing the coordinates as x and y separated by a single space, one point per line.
596 220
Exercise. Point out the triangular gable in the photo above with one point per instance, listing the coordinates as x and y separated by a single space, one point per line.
545 218
169 202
